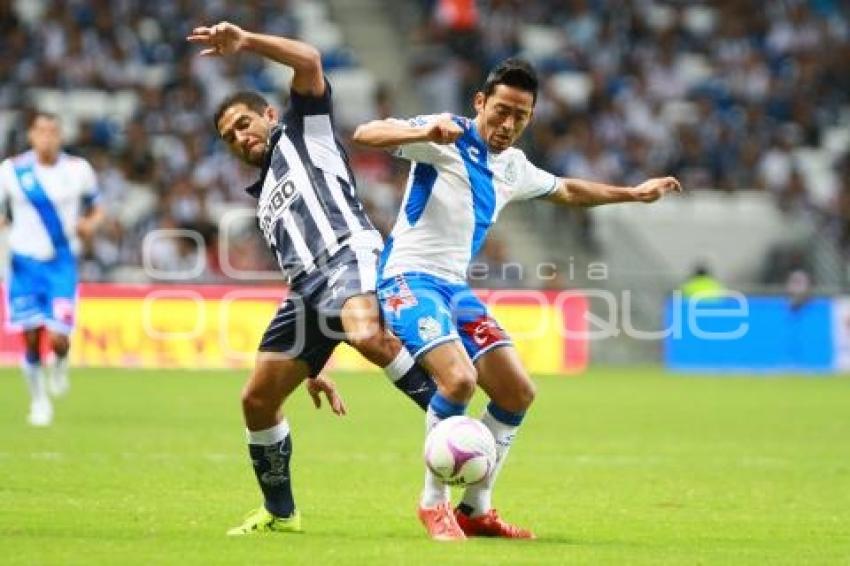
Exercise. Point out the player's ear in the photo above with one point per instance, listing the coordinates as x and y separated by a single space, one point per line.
478 101
270 113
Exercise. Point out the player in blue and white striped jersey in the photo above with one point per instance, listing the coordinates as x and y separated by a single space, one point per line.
464 172
52 197
327 249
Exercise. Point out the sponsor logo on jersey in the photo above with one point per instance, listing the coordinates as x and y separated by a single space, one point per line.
484 331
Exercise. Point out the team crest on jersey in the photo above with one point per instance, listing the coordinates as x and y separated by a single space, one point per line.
511 172
429 328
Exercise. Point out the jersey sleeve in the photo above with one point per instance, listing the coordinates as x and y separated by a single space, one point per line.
306 105
90 193
533 182
423 152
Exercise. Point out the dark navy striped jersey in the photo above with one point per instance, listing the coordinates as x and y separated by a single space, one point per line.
307 201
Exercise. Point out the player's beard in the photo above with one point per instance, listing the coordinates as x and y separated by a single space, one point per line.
257 154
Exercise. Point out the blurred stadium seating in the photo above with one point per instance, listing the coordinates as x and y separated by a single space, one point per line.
726 97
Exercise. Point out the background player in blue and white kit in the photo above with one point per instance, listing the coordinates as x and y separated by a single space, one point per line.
326 246
464 172
51 198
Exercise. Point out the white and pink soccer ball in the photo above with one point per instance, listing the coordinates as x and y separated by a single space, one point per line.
460 451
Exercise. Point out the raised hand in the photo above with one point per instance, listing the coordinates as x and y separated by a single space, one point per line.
223 38
654 189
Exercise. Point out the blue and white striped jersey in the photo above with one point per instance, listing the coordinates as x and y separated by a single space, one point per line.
307 201
46 202
454 194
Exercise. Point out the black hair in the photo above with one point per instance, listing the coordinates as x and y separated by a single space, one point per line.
253 100
36 114
514 72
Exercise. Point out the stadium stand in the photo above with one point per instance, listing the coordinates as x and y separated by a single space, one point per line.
725 97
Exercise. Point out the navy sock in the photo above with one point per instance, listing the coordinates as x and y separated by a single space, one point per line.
444 408
271 465
33 357
418 386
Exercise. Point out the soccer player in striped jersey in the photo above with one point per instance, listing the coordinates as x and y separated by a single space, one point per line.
52 198
326 246
464 172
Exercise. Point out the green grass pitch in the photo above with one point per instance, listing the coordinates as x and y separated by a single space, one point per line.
625 466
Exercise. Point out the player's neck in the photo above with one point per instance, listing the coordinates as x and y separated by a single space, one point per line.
480 131
46 158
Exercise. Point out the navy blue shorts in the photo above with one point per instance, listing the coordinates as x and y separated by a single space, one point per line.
307 326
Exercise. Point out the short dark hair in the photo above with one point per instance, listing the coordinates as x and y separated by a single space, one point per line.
252 99
36 114
514 72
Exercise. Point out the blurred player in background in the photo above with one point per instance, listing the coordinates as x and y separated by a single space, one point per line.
51 199
326 247
464 171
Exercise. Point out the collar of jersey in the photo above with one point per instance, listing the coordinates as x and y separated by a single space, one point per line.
256 188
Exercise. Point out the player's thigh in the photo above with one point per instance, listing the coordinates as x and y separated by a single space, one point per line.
28 292
416 310
361 319
478 330
451 369
62 295
274 378
502 376
296 333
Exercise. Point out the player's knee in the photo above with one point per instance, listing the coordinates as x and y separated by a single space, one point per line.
525 395
60 344
517 398
459 382
377 347
256 405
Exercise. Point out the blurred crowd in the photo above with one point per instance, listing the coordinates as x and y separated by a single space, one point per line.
163 167
722 94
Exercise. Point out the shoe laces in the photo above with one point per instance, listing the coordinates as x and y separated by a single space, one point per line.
446 522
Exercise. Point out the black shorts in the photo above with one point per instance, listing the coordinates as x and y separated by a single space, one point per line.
307 325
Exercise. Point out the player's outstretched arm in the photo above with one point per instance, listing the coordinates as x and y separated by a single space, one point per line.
392 133
576 192
225 38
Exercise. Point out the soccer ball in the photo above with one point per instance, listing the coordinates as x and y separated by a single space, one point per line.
460 451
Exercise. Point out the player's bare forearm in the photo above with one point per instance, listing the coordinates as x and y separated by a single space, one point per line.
304 59
578 192
88 224
393 133
225 38
388 134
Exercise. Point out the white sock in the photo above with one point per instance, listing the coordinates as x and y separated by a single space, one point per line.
397 368
60 367
34 374
479 497
435 491
269 436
